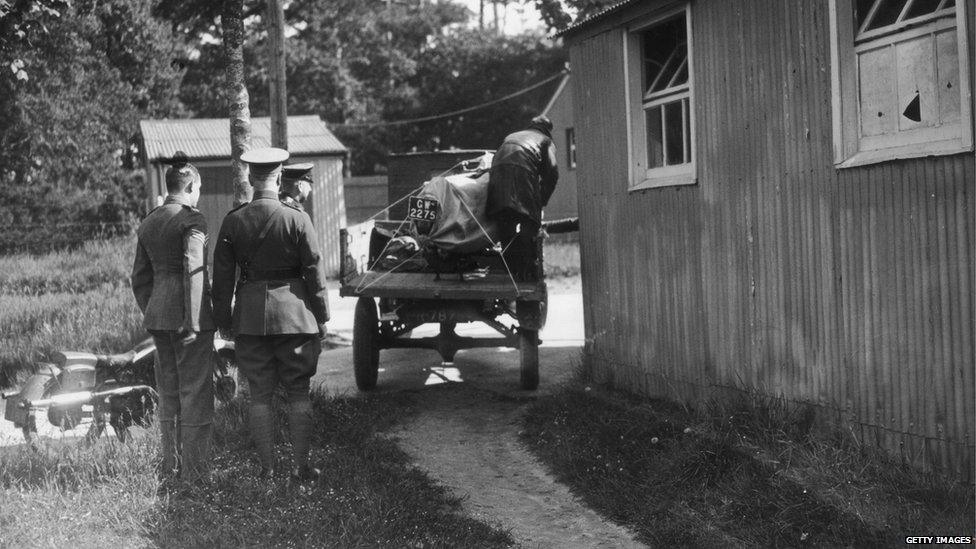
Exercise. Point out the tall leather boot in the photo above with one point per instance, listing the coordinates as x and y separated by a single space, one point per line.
300 429
168 449
195 443
262 433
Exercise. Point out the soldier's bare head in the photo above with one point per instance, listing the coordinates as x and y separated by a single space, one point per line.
183 177
263 180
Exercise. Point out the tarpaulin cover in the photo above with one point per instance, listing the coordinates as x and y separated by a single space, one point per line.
461 222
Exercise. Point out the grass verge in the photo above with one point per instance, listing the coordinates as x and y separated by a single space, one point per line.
77 300
745 474
368 496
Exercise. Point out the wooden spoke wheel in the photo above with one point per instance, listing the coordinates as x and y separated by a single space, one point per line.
366 343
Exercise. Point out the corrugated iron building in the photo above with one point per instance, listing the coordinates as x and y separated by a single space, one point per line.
366 198
207 143
562 204
789 213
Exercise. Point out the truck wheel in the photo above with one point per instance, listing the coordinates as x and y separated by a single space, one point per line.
366 344
529 355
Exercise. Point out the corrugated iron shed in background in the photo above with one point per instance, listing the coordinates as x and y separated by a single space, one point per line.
209 138
207 143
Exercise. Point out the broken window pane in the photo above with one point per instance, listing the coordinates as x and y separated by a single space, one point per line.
947 54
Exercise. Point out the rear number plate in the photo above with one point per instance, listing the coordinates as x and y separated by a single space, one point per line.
422 209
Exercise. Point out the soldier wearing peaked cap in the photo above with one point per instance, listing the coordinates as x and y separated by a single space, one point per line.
296 184
279 305
170 283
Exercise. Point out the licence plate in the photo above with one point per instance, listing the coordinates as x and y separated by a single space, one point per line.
422 209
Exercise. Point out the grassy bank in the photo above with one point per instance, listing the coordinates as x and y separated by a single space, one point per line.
368 495
69 300
749 474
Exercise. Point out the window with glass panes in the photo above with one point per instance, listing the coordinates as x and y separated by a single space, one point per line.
909 67
900 77
666 93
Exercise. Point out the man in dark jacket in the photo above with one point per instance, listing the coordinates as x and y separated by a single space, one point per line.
523 177
170 284
279 305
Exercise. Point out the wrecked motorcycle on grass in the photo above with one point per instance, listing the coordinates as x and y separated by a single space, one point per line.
116 390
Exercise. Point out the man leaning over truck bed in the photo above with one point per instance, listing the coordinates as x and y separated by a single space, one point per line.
523 177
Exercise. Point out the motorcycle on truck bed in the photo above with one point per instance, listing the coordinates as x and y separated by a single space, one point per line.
404 276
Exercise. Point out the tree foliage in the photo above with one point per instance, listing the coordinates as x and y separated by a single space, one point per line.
76 77
558 14
100 68
358 65
23 22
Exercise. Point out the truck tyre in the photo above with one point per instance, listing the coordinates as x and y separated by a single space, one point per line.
529 356
366 344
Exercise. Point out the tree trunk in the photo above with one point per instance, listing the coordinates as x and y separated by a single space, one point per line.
276 65
232 22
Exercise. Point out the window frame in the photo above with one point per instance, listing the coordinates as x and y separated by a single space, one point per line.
846 107
571 148
640 177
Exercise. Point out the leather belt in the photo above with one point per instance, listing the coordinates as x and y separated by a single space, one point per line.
265 275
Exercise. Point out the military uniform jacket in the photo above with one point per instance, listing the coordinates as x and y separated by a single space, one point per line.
169 275
289 201
281 288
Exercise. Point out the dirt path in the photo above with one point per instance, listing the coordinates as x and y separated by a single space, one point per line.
467 439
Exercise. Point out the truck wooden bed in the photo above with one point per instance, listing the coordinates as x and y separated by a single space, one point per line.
392 303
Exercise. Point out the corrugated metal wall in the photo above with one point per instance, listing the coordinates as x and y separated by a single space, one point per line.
850 289
328 208
563 201
366 196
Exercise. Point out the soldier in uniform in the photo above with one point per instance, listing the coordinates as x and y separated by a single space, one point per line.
279 305
296 184
171 287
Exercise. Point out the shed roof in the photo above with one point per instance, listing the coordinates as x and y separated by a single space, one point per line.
209 138
613 8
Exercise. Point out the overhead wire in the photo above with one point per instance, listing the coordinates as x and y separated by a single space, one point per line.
450 114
